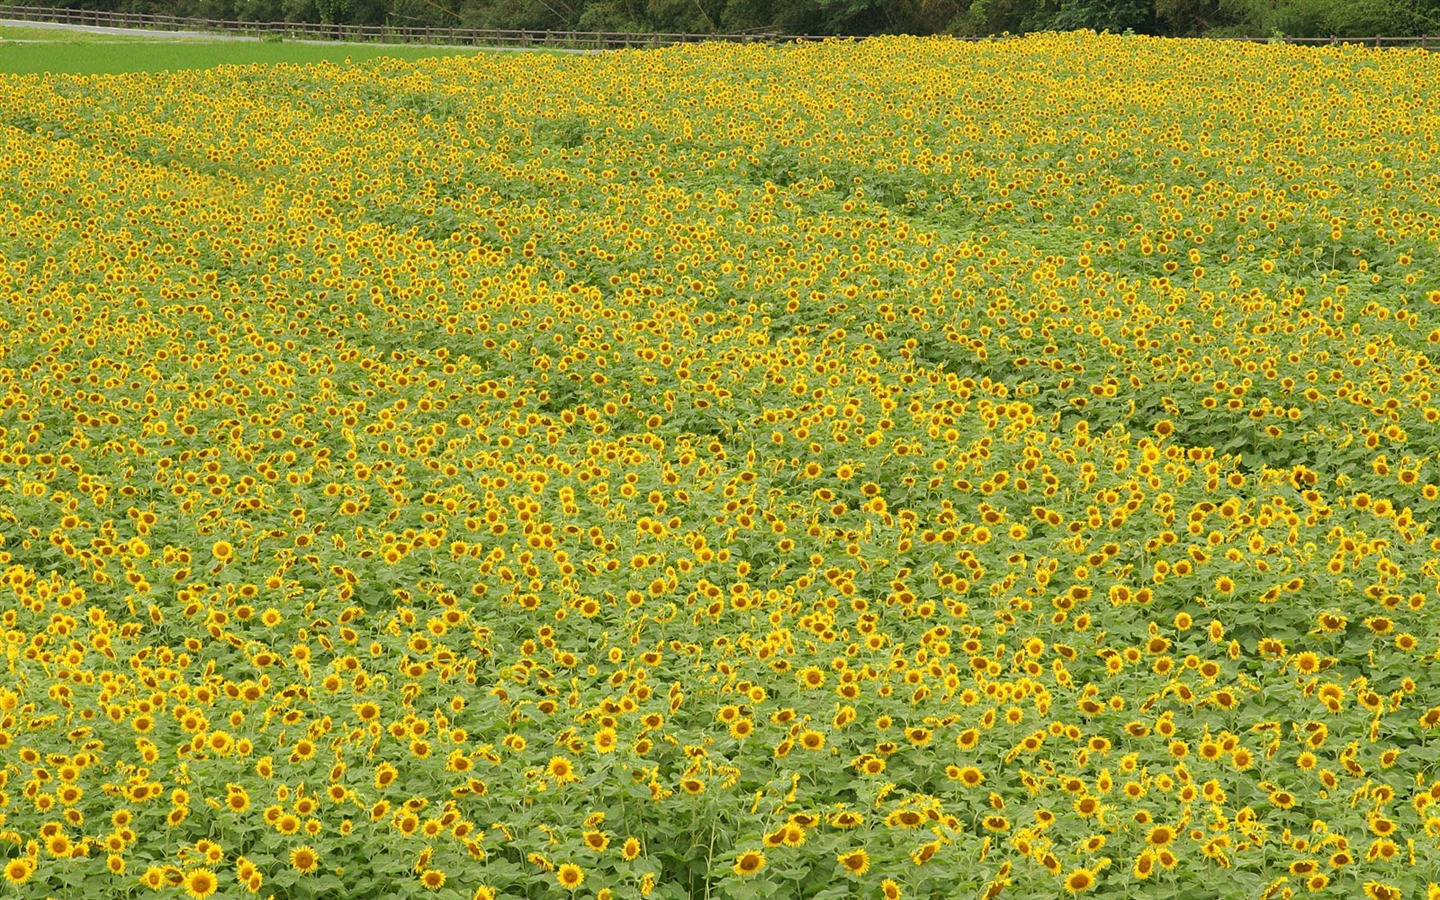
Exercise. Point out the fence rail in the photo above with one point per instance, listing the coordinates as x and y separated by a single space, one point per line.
501 37
391 34
1422 41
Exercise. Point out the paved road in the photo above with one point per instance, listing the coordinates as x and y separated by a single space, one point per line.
130 32
157 35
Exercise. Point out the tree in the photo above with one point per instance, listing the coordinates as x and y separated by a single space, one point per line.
1106 15
558 15
1327 18
1188 17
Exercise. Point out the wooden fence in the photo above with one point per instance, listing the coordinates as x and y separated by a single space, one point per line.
1421 42
387 34
500 37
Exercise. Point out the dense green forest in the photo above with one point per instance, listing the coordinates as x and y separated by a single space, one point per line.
1296 18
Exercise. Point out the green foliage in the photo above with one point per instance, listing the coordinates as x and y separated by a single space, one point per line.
1326 18
1106 15
1183 17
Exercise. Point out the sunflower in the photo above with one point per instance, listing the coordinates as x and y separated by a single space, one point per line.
385 773
1379 890
562 770
199 883
749 862
59 845
432 879
847 819
570 876
924 853
304 859
1144 865
237 800
1282 799
19 871
1079 880
905 818
889 890
856 862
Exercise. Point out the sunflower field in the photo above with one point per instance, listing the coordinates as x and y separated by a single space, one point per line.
897 468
